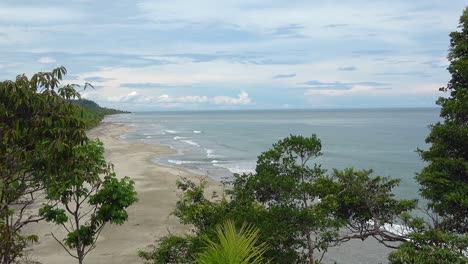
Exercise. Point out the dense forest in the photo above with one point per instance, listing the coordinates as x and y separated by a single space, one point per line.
95 113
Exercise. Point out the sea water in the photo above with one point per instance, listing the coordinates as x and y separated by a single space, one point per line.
220 143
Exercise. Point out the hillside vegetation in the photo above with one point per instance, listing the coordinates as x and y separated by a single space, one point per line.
93 113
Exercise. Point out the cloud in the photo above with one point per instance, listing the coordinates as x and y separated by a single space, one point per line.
46 60
34 15
133 96
351 89
421 74
317 85
141 85
335 25
290 31
243 99
339 85
97 79
437 64
340 88
158 48
282 76
349 68
170 100
372 52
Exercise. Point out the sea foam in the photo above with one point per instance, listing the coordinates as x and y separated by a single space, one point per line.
235 168
180 162
190 142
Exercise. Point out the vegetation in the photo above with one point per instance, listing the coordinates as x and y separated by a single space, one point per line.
299 210
290 209
232 247
38 129
170 249
95 113
44 148
87 197
444 181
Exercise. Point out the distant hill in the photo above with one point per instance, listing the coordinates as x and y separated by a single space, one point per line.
94 112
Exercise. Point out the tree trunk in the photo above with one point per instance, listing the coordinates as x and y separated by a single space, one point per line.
310 254
80 254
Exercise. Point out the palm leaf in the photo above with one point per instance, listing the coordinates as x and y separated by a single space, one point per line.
233 247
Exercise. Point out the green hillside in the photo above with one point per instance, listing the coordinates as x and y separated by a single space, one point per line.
94 113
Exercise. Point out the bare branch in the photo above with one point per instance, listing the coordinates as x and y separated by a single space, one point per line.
64 247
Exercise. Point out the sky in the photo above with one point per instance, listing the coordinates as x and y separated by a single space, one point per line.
143 55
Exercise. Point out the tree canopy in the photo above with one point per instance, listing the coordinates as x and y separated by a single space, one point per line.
43 144
38 129
299 209
86 197
444 181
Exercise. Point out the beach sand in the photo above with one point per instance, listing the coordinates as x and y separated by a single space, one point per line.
149 218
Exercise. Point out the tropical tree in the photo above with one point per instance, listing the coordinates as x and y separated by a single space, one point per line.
232 246
38 129
299 210
444 181
369 208
443 236
87 196
288 188
304 211
172 249
195 208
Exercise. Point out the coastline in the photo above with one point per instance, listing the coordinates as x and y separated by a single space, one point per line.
149 219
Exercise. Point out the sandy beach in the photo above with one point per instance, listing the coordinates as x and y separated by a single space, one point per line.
149 218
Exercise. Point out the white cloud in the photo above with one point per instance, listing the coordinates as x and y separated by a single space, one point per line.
165 100
26 14
241 100
354 90
214 46
46 60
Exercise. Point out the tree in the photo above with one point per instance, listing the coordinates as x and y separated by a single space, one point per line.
38 129
171 249
95 113
86 197
196 209
288 189
232 247
444 181
442 238
426 245
299 210
306 211
368 207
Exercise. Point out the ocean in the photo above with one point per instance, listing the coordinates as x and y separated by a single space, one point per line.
220 143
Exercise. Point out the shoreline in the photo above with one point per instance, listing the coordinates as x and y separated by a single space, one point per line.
149 218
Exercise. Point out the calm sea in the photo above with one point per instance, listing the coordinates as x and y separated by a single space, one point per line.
219 143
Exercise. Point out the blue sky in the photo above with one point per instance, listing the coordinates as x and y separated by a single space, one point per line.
241 54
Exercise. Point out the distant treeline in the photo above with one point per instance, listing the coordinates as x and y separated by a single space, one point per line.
94 113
